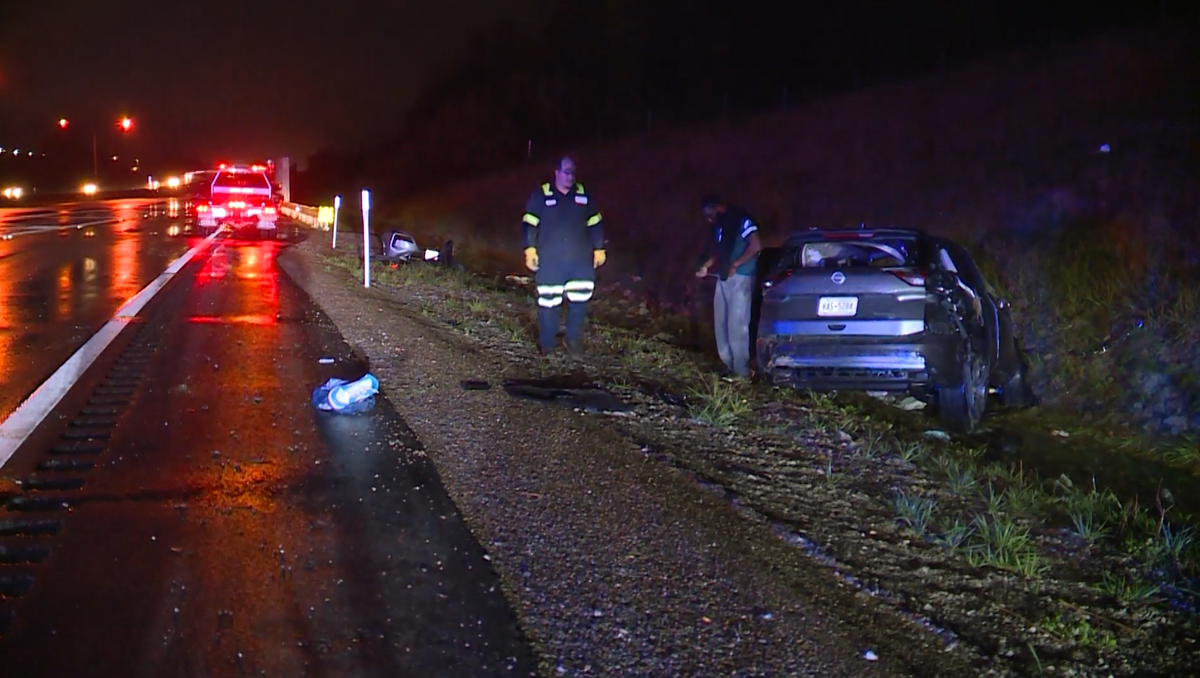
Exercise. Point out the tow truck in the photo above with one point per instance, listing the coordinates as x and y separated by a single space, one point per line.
239 198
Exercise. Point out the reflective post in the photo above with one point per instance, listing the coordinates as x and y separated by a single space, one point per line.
337 205
366 211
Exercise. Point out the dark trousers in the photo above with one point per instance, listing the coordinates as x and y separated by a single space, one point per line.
576 294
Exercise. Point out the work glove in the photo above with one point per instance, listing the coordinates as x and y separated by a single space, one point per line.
598 258
531 258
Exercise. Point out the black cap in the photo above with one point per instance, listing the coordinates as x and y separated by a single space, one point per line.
710 200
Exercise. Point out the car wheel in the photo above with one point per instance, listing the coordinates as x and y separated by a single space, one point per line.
1015 392
960 406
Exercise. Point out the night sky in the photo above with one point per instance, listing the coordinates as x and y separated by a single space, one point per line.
224 77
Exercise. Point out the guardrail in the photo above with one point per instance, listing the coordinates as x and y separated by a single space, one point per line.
306 214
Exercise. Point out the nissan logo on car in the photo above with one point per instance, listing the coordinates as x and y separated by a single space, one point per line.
838 277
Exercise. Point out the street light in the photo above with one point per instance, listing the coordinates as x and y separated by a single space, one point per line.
125 124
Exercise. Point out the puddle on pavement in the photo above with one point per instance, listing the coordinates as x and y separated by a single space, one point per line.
574 391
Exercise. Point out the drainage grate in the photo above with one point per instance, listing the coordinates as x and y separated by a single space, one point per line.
93 422
108 401
115 390
29 528
87 434
66 465
23 555
45 504
43 484
50 490
14 586
78 448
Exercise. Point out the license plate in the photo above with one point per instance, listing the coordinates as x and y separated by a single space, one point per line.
837 307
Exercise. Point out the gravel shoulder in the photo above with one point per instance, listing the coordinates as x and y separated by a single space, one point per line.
616 563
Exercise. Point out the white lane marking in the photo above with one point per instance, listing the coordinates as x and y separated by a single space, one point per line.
24 420
53 216
46 228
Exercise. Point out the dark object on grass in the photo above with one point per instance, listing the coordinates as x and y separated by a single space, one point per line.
586 398
474 385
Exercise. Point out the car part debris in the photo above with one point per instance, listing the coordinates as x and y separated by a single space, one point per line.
346 397
586 398
399 245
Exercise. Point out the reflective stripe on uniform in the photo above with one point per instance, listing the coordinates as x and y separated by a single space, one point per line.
550 296
594 220
546 189
531 219
579 291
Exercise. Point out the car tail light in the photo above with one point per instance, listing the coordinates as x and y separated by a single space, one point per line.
914 277
777 278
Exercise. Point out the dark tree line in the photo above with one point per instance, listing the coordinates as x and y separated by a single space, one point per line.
580 72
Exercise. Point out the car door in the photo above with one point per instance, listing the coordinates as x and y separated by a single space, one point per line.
986 303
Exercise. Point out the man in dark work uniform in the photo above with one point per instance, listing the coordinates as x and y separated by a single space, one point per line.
564 245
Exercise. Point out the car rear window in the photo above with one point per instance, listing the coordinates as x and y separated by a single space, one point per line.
243 180
876 253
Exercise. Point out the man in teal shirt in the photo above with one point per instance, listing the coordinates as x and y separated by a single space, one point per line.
733 248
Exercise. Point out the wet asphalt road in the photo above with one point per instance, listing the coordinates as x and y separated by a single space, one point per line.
227 527
64 271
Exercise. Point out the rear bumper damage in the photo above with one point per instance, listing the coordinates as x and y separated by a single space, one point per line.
866 364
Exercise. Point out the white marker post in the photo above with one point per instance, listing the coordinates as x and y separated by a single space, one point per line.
337 205
366 210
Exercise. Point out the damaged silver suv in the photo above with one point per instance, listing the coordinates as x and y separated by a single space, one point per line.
891 310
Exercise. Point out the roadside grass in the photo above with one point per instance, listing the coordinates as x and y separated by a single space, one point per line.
1101 305
990 514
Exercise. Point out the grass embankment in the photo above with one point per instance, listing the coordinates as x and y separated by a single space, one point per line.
1070 174
1066 572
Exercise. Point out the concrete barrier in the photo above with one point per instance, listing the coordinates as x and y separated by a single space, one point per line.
305 214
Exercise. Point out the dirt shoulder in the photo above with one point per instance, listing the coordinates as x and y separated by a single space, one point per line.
618 565
724 529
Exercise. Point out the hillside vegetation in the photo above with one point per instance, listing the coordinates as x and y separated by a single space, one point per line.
1071 173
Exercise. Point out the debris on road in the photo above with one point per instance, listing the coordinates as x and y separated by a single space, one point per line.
585 397
346 397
